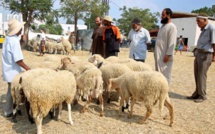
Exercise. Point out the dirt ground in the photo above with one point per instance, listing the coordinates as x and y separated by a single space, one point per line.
190 117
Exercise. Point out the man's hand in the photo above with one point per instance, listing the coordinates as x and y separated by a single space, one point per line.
213 60
166 58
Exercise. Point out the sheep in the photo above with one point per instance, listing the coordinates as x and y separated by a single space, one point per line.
91 84
138 66
17 96
75 68
23 88
96 59
112 71
50 90
59 48
67 46
49 47
33 45
146 86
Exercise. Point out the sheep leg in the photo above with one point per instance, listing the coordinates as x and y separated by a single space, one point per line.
86 105
14 113
38 120
132 106
171 111
120 106
126 105
108 95
148 113
101 104
69 113
59 111
30 118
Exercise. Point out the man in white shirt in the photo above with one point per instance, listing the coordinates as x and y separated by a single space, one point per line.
139 38
42 42
12 60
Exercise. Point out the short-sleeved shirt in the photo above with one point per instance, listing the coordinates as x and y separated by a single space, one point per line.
11 53
207 38
138 47
111 34
42 36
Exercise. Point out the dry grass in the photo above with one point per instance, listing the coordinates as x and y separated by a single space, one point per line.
190 117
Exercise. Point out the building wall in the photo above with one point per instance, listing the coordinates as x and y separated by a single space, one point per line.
187 27
67 28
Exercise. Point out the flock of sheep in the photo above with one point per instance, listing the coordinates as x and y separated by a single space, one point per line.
44 88
51 46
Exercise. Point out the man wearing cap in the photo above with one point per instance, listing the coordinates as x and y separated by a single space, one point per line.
139 39
204 57
165 45
12 60
111 38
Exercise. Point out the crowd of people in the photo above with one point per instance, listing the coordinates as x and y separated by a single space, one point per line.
106 42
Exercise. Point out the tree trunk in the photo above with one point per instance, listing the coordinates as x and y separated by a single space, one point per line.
76 28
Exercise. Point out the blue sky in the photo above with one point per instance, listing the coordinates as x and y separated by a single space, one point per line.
153 5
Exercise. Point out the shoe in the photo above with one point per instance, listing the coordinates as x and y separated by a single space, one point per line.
192 97
200 99
9 115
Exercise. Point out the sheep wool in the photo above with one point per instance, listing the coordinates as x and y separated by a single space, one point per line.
91 84
148 87
50 90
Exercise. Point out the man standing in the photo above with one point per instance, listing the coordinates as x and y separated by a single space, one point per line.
165 45
111 38
12 60
97 44
139 38
42 42
72 41
203 59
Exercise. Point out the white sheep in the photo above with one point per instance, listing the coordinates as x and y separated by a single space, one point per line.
76 68
67 46
49 46
20 88
112 71
50 90
97 59
138 66
148 87
90 83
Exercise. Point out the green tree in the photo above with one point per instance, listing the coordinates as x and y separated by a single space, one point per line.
74 9
98 9
30 10
69 21
53 29
205 10
148 20
86 10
